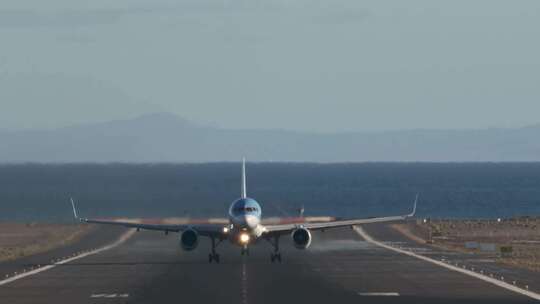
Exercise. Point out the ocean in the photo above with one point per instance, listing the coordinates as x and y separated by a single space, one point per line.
41 192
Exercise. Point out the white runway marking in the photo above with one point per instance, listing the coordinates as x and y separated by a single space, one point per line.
244 284
124 237
109 295
378 294
482 277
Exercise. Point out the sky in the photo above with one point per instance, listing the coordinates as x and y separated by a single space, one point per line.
308 65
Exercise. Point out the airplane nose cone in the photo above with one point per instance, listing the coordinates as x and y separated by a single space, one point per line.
251 221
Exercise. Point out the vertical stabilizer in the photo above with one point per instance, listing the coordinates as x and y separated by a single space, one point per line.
244 195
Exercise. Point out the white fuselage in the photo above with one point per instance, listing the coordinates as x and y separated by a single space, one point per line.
245 221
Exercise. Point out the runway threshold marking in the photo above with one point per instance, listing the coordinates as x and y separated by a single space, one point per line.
378 294
482 277
124 237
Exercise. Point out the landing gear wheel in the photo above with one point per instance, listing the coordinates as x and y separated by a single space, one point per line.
244 251
213 257
275 257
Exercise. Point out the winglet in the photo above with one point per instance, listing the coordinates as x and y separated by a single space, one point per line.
74 209
301 211
414 207
244 191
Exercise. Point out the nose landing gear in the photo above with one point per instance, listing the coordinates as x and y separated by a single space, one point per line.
244 251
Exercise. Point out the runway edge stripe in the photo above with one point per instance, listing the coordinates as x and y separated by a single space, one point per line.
482 277
124 237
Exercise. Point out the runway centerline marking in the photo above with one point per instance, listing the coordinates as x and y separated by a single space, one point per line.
124 237
378 294
482 277
244 284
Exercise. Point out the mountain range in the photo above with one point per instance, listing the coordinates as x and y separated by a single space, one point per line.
163 137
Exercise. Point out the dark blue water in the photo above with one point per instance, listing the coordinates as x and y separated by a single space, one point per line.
471 190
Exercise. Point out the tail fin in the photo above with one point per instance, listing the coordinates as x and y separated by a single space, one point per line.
244 191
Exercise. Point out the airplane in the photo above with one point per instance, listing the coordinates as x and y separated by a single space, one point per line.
245 227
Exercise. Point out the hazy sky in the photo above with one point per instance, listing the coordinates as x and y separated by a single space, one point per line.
313 65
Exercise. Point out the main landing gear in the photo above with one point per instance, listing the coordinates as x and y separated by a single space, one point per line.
276 255
213 256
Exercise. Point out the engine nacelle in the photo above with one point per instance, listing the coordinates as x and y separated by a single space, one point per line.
189 239
301 238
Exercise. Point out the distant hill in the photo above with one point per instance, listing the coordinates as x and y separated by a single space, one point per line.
167 138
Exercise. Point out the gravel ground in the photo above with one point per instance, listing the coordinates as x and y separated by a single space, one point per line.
19 240
521 234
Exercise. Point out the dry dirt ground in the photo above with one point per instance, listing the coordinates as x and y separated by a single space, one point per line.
19 239
521 234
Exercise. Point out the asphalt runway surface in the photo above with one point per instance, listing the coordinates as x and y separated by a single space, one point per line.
486 264
339 267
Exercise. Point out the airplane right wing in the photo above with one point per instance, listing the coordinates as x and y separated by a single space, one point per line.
286 228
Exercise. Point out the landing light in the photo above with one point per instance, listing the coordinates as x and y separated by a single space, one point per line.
244 238
225 230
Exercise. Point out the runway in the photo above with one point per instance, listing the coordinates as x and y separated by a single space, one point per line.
339 267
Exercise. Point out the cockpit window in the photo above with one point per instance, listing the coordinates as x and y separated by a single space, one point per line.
246 209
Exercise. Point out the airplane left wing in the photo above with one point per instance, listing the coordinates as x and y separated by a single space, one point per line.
286 228
210 230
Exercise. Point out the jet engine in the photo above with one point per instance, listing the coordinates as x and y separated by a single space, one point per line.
301 238
189 239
